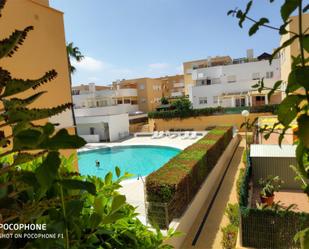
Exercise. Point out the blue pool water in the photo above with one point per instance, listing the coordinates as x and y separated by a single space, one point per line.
137 160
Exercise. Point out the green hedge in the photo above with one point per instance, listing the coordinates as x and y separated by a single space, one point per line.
268 228
211 111
177 182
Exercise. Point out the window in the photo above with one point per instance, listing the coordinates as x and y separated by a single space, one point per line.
203 100
260 98
75 92
200 75
256 76
156 87
133 102
119 101
240 102
126 101
269 75
215 100
141 86
215 81
208 82
231 78
92 129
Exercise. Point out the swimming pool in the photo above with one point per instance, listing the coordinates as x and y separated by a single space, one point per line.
137 160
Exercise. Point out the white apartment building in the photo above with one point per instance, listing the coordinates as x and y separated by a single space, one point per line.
102 113
231 85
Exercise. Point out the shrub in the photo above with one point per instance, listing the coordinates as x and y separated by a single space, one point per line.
176 183
210 111
229 236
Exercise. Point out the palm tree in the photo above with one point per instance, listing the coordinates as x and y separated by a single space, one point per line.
73 53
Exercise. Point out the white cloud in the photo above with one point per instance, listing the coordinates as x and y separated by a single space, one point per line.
90 64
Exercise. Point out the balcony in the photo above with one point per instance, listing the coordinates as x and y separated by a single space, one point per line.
126 92
178 85
177 94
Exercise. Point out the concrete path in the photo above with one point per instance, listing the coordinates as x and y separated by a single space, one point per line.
211 235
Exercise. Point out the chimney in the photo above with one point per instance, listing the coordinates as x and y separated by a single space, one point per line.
209 61
92 87
250 54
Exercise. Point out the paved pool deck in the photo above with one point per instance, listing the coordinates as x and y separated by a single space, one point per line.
134 189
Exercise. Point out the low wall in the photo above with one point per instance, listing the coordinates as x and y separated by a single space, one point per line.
206 192
201 122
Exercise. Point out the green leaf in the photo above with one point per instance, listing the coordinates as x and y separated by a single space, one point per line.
287 8
113 218
63 140
77 184
302 76
285 44
10 45
95 220
275 88
282 29
23 114
100 203
117 171
108 178
255 27
14 86
306 42
288 109
118 202
16 103
292 85
74 208
47 172
242 16
303 129
25 157
230 12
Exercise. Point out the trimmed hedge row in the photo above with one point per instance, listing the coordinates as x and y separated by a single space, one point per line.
177 182
268 228
211 111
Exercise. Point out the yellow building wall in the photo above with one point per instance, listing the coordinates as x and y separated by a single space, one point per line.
43 49
293 49
202 122
168 84
187 67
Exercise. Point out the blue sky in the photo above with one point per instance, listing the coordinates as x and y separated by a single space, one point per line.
151 38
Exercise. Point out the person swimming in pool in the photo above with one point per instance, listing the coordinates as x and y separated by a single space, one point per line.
97 163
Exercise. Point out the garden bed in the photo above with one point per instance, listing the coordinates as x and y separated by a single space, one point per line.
170 189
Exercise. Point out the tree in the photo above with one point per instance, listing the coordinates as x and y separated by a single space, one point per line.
164 101
37 186
182 105
73 53
295 106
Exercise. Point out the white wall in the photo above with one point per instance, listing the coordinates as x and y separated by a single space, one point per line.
118 125
107 95
244 82
106 110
